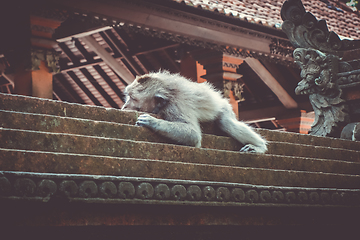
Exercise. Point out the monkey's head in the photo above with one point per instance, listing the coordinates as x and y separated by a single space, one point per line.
146 94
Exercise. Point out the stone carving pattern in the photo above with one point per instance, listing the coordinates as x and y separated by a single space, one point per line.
324 74
43 187
305 31
237 87
319 81
50 57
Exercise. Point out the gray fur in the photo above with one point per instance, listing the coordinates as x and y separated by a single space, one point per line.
182 105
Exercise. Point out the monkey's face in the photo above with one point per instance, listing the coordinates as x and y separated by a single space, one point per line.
139 102
144 95
138 98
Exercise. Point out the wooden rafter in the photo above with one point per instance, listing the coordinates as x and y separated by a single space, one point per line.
110 60
174 23
64 84
99 88
110 82
83 51
115 36
70 55
107 36
84 88
56 96
272 83
82 34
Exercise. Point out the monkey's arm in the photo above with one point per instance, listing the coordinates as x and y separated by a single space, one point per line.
183 133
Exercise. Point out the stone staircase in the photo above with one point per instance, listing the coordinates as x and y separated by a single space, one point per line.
51 149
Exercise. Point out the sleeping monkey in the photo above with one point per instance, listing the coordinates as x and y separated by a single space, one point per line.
183 105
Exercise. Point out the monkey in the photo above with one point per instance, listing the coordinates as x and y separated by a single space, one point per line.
182 105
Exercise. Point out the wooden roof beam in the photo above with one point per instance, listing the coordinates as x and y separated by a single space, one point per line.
127 57
121 70
110 82
215 32
99 88
82 86
134 55
272 83
64 90
83 34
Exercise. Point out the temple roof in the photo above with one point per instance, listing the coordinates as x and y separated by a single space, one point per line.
339 17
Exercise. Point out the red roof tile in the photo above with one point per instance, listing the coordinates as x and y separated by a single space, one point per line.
267 12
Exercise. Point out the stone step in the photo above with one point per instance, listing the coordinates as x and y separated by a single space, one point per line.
49 162
79 144
55 124
20 103
306 139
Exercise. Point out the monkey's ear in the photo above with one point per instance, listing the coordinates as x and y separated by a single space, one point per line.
143 79
160 103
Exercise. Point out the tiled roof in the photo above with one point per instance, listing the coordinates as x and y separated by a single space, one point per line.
339 18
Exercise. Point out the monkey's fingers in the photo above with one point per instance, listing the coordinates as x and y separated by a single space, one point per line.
248 148
141 123
143 120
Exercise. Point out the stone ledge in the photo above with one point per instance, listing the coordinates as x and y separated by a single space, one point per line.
122 190
56 124
63 142
46 162
19 103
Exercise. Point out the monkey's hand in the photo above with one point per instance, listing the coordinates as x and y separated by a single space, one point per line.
146 120
252 149
181 132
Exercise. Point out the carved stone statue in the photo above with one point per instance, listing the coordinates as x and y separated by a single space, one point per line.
327 67
319 81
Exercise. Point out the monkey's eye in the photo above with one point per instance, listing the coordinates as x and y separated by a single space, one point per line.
133 99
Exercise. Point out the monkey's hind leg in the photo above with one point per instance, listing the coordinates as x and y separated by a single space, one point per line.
183 133
242 132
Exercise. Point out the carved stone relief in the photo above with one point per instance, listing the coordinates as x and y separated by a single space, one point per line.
304 30
50 57
327 67
237 87
116 189
319 81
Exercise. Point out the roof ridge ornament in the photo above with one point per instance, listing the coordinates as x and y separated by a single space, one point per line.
304 30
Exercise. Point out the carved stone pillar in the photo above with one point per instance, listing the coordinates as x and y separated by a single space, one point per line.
221 71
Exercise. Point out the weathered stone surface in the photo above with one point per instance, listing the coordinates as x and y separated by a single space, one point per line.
292 149
54 142
18 160
69 143
281 136
44 106
21 103
50 123
74 133
55 124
